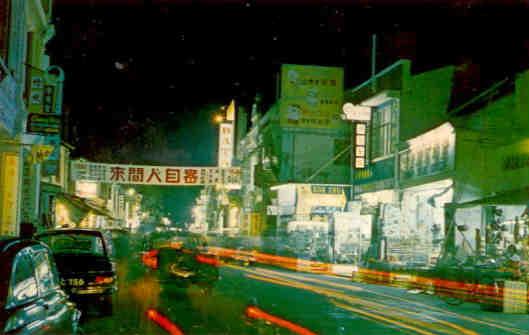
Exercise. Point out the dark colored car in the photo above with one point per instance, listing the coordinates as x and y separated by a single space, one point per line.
85 267
183 261
31 299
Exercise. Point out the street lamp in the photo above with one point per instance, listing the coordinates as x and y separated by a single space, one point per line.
218 118
131 191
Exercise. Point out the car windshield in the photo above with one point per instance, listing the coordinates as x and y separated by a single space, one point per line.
74 243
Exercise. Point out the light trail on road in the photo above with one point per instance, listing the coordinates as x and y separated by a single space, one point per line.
411 317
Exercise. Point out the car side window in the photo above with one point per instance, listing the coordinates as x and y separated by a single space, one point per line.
23 282
44 270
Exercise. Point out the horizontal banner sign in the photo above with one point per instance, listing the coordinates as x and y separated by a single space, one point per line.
154 175
44 124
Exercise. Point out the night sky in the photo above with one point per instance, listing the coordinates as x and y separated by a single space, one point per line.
143 78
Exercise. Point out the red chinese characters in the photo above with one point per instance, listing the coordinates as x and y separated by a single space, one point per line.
117 173
172 176
136 174
155 174
190 176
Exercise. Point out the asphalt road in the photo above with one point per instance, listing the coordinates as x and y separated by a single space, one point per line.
321 304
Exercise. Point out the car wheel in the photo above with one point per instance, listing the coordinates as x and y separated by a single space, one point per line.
107 308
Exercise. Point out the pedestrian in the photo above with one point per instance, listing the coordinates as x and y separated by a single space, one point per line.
27 230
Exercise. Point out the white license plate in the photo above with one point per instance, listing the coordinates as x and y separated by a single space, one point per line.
73 282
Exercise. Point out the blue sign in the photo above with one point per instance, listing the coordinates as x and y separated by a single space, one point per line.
8 111
50 167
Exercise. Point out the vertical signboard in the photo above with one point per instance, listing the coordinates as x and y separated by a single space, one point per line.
50 167
311 96
226 139
36 90
360 145
8 225
29 192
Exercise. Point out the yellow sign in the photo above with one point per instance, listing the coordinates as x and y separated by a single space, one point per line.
311 96
8 225
39 153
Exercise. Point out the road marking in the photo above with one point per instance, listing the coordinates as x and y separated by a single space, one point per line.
383 319
489 323
376 308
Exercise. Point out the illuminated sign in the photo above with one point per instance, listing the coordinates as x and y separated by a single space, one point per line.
430 153
226 139
154 175
359 149
8 225
356 113
311 96
85 189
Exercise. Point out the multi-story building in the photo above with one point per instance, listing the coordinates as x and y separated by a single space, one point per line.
28 86
294 152
432 156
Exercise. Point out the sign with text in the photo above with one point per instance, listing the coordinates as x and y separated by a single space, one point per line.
10 173
50 167
429 154
154 175
29 193
360 152
44 124
311 96
226 139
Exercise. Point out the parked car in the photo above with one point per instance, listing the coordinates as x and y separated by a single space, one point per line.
85 267
183 261
31 299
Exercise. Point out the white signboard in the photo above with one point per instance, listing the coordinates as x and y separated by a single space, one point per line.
226 138
154 175
356 112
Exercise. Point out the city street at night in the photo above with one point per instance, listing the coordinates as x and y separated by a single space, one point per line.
264 167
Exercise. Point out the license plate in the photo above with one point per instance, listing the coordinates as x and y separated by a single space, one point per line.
73 282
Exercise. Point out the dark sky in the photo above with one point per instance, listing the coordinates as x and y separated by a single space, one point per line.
168 65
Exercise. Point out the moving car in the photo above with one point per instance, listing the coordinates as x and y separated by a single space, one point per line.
31 300
84 264
183 261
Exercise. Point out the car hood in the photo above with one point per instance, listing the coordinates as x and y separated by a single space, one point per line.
82 263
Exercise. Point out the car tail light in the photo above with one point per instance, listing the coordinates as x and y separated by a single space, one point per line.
150 259
207 260
103 280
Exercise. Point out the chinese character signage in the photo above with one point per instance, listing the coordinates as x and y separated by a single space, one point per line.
29 195
226 138
36 90
8 225
154 175
44 124
428 154
359 149
311 96
50 167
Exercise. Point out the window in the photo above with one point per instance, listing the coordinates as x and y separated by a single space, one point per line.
45 272
23 284
383 129
74 243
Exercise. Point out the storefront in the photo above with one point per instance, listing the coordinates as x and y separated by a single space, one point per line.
489 224
73 211
304 213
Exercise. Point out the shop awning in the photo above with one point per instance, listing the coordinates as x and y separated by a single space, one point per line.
85 205
513 197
